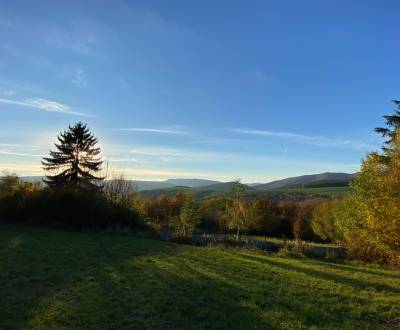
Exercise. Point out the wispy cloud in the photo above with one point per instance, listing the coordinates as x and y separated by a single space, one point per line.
76 75
17 145
7 93
81 43
45 105
21 87
153 130
7 152
22 168
307 139
162 174
160 154
177 153
154 154
125 160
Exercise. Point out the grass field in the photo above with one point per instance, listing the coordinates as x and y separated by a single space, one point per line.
54 279
321 190
331 191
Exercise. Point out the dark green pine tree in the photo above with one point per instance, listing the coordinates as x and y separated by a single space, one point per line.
390 132
76 162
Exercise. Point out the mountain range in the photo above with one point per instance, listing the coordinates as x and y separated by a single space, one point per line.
327 179
308 181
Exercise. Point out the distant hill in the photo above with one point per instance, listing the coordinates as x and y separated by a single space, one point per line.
192 183
224 186
316 184
150 185
218 189
314 180
171 183
32 179
154 193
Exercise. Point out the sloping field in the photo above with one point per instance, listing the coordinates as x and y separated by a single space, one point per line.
54 279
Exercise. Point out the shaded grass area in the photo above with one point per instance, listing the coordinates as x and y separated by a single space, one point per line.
59 279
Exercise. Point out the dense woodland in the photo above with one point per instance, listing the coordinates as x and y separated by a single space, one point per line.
366 221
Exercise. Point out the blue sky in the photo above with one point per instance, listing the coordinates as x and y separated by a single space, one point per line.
257 90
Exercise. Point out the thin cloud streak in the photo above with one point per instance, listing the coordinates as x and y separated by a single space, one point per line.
155 154
13 153
179 153
152 130
307 139
45 105
22 168
162 174
7 93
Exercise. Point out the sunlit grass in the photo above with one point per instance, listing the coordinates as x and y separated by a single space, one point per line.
59 279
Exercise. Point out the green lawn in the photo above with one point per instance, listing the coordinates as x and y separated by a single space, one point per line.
54 279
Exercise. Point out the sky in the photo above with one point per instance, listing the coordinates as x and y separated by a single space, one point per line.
257 90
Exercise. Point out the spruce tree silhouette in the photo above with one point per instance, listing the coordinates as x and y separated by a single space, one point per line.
390 132
76 161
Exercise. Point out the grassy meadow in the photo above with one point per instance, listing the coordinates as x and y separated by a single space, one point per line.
55 279
330 191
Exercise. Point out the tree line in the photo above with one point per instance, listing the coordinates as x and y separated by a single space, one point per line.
115 204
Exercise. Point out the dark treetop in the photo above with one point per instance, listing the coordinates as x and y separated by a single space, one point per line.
76 161
390 132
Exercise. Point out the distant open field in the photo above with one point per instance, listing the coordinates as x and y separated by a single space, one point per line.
52 279
318 191
299 193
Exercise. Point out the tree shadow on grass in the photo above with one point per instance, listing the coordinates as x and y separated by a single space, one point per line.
366 269
151 294
344 280
34 271
281 300
111 281
58 279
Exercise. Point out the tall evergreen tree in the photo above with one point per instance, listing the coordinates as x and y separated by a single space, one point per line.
76 161
390 132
